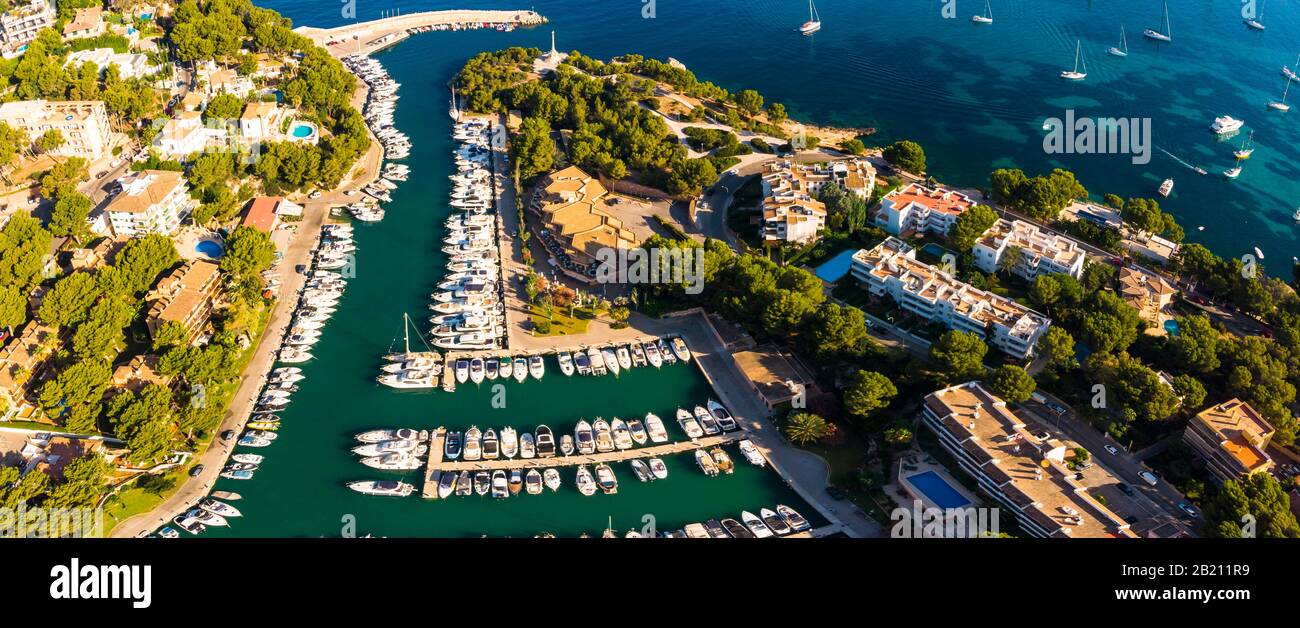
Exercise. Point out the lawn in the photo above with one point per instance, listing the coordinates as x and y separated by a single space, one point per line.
133 501
561 323
845 460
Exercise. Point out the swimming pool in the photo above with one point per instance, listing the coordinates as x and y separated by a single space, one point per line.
301 130
936 490
833 269
1171 326
210 249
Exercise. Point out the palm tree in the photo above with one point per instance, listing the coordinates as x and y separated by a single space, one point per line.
806 427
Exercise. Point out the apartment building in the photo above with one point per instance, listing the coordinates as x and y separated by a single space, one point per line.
151 201
20 24
1041 252
1232 438
1027 476
83 123
921 209
891 269
578 210
187 296
21 362
129 65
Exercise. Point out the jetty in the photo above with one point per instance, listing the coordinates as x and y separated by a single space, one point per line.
437 464
373 35
431 475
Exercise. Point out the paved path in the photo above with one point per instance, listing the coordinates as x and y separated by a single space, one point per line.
369 36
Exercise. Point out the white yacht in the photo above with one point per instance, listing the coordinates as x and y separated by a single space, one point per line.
655 428
689 425
566 363
382 487
509 442
1224 125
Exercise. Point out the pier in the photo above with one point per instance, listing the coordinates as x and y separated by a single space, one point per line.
370 36
431 474
437 464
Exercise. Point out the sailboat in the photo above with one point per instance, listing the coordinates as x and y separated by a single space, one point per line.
454 110
1122 49
987 18
1280 105
1075 74
1163 35
1247 147
1253 22
1232 173
814 22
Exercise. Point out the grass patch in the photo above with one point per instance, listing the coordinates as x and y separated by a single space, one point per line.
137 500
43 427
560 323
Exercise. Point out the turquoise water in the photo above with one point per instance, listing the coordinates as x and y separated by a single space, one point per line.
937 490
836 267
209 248
302 130
1171 326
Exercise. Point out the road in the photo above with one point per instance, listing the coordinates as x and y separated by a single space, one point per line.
1157 503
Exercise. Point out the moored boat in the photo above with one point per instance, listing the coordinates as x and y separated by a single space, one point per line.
585 481
545 440
655 427
796 521
774 522
720 413
382 487
533 482
755 525
551 478
707 465
606 479
689 425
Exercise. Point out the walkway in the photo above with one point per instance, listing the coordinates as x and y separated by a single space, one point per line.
367 37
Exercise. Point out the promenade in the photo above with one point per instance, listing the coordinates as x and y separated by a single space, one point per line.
370 36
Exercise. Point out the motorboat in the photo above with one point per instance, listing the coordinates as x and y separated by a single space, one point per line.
566 363
597 361
658 468
446 485
581 363
462 371
586 483
723 461
207 518
585 440
533 482
545 440
452 446
470 341
388 488
464 484
689 425
716 531
491 446
397 461
603 435
696 531
376 436
655 429
755 525
622 435
706 421
1166 187
248 458
500 486
250 441
516 482
520 369
509 442
606 479
637 429
752 454
624 358
652 354
722 415
482 483
666 353
551 478
707 465
505 366
536 367
527 446
473 444
736 530
638 354
611 360
476 371
680 350
189 524
641 471
774 522
796 521
1224 125
218 507
566 443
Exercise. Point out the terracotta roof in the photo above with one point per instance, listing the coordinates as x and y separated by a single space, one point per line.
1243 431
935 199
261 213
145 189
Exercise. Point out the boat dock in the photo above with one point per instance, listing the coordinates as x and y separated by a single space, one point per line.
370 36
431 474
437 464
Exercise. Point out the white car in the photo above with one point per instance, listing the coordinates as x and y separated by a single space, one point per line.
1114 451
1149 478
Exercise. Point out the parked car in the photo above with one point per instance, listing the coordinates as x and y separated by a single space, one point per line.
1114 451
228 434
1149 478
196 471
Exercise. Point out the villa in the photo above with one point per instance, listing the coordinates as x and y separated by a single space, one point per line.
921 209
83 123
1150 246
129 65
216 79
1041 252
785 177
187 296
186 134
151 201
21 362
264 212
261 121
1027 476
1147 292
577 208
891 269
87 22
20 25
139 373
1232 438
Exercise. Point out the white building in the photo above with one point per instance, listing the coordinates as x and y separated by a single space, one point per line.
261 121
186 134
918 208
151 201
129 65
87 22
791 211
891 269
216 79
83 123
20 24
1041 252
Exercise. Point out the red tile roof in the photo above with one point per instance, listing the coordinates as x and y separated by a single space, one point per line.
261 213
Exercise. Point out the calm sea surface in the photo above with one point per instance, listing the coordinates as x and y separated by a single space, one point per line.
974 96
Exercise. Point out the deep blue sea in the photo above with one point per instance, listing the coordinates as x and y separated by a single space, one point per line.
975 96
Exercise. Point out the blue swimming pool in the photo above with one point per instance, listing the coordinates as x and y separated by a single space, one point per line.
1171 326
937 490
210 249
836 267
302 130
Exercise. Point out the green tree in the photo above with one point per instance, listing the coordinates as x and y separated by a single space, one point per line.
1012 383
776 113
1262 499
749 101
907 156
1057 345
249 251
50 140
68 218
1195 347
805 428
83 483
867 392
13 307
969 226
532 149
69 301
834 331
959 355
